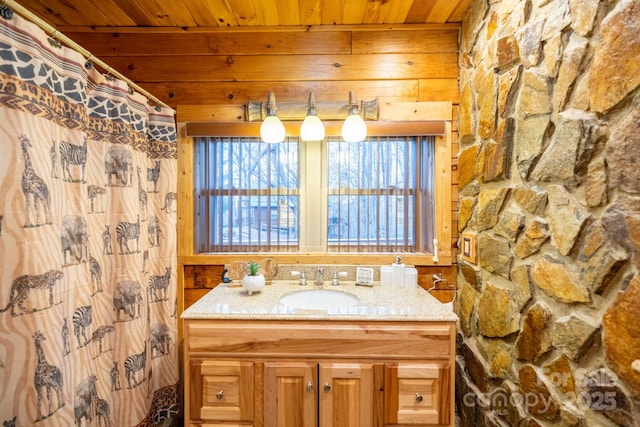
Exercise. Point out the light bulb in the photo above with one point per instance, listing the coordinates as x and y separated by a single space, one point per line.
312 128
354 129
272 130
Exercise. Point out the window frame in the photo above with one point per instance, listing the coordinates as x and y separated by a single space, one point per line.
440 112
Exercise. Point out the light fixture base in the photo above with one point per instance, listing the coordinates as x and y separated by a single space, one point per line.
257 111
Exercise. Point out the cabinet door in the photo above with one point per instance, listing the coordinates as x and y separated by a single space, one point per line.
346 395
222 391
418 394
290 394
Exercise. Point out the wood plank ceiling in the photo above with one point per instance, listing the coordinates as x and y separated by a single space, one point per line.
68 14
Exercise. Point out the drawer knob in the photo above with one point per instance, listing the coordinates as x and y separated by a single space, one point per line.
309 386
327 388
220 395
418 398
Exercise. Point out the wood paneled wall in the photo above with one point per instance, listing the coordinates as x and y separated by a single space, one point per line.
225 68
209 75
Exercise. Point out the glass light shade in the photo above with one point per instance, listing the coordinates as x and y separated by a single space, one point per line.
272 130
312 128
354 129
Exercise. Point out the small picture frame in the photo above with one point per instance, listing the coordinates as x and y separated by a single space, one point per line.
364 276
469 247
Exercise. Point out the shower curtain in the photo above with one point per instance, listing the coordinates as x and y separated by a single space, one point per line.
88 321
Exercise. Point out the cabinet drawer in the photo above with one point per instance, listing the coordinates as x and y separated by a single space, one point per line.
418 393
222 391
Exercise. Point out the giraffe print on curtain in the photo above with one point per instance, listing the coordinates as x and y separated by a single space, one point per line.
88 329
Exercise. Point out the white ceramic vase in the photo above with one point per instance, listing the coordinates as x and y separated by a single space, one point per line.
253 284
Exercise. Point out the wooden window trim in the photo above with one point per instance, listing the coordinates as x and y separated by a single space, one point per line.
442 164
332 128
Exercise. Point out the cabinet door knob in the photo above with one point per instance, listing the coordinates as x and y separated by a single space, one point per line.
327 387
309 386
418 398
220 395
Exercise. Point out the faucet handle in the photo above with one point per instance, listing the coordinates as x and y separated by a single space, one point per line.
302 275
335 281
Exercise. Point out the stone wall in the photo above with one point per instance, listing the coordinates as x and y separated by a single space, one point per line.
549 172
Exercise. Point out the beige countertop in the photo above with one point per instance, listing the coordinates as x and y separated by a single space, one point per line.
377 303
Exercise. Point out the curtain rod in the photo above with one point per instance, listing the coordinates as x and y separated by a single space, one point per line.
57 35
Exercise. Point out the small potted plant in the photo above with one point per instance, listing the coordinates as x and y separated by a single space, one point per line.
252 280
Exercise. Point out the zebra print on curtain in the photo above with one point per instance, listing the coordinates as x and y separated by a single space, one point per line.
88 322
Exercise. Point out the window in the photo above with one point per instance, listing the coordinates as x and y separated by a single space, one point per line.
332 196
246 195
374 188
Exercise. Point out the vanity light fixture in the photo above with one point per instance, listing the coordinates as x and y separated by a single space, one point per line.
312 128
272 129
352 115
354 129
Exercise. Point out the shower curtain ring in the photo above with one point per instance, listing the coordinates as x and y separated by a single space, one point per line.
6 12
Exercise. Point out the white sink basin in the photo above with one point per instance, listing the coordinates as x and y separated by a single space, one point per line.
318 299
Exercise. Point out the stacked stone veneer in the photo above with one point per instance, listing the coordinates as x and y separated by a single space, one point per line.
549 176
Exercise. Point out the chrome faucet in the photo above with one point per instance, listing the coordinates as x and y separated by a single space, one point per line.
319 273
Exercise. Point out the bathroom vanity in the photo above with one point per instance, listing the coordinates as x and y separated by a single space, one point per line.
298 356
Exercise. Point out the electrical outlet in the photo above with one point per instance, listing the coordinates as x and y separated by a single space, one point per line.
469 247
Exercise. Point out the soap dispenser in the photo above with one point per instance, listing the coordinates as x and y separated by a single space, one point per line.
225 276
398 273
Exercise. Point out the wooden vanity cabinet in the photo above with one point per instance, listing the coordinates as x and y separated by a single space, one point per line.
318 374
